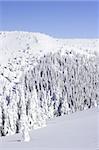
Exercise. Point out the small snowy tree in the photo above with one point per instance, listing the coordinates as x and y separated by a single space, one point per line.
24 120
25 132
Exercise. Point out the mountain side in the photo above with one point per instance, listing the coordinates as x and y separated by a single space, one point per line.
42 77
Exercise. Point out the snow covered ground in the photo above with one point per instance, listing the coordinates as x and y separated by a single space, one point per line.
77 131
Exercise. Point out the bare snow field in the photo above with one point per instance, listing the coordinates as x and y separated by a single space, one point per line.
78 131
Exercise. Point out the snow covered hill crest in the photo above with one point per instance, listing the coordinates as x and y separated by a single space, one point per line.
42 77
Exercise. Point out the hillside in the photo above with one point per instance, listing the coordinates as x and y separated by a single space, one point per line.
42 77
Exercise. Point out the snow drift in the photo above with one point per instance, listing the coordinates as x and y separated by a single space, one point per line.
42 77
77 131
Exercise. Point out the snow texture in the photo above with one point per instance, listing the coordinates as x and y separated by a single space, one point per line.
42 77
77 131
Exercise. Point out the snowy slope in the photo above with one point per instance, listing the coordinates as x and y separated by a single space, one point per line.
42 77
78 131
16 44
13 44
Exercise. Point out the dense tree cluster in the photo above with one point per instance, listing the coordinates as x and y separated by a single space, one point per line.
55 85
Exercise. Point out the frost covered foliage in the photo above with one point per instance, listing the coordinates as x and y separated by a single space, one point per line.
57 85
19 110
65 84
37 86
